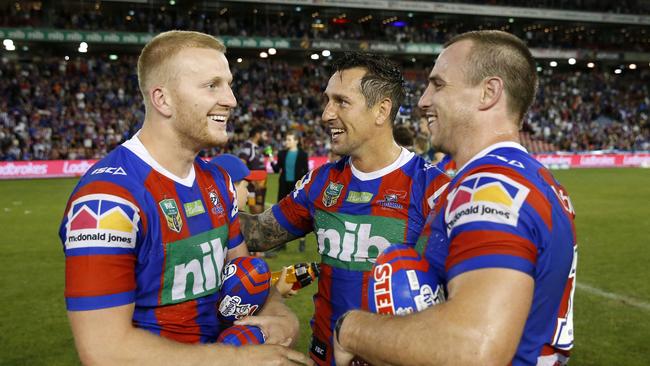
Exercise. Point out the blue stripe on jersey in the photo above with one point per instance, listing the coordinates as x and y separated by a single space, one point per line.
356 185
492 261
96 251
207 319
99 302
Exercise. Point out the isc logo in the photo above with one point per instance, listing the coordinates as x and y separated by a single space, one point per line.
109 170
356 239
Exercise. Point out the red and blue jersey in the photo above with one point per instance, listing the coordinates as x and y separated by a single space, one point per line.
503 209
447 165
355 216
134 233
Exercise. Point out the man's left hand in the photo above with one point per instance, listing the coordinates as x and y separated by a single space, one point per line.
279 329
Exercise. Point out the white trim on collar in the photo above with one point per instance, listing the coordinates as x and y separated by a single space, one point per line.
135 146
404 157
493 147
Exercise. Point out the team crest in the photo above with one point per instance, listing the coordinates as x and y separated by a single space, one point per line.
392 198
332 194
217 208
172 214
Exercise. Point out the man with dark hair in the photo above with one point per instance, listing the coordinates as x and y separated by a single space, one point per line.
252 153
502 235
404 136
377 194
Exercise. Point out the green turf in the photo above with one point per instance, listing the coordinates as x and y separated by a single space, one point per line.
613 222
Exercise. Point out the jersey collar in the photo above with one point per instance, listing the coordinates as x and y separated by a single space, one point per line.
135 146
498 145
403 158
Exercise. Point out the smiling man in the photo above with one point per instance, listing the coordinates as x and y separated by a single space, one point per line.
502 235
376 195
149 228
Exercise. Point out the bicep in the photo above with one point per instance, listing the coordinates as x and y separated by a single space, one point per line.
98 332
496 301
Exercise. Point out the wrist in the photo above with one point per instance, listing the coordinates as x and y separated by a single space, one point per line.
339 326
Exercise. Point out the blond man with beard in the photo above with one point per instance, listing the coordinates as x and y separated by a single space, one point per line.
148 229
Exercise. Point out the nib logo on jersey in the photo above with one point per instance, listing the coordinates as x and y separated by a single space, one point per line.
485 197
102 220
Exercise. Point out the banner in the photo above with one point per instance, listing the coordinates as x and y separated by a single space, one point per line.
77 168
613 160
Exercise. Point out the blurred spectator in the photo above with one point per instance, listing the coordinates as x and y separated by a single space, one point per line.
80 109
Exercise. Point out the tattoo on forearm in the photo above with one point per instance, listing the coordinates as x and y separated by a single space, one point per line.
263 232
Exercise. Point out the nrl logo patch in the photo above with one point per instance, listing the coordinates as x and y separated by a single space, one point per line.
217 208
172 214
332 194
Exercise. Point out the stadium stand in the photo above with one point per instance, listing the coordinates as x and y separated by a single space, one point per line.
83 105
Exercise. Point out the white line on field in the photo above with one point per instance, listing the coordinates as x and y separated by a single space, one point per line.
612 296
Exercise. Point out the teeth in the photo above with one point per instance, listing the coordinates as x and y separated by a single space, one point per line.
218 118
336 130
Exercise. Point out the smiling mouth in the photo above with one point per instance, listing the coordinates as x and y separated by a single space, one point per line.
218 118
431 120
335 132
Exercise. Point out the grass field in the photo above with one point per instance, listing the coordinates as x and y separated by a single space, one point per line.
612 304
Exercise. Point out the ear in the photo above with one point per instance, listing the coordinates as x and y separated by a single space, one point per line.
161 100
491 93
383 111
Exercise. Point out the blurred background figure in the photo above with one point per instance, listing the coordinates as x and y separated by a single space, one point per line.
404 136
292 164
253 155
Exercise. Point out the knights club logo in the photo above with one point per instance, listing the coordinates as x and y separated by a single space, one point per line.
217 208
332 194
172 214
392 199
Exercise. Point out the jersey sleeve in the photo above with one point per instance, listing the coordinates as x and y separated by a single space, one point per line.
235 236
495 218
294 212
100 231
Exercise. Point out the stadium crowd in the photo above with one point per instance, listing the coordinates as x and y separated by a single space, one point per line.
82 108
312 25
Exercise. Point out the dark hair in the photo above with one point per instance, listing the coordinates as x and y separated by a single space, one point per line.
497 53
403 135
255 130
383 78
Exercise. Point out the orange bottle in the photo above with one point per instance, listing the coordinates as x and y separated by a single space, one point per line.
300 274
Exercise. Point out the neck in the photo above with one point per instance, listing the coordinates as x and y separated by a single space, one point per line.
167 149
377 158
466 150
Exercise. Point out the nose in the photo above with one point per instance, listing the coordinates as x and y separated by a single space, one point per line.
426 98
228 98
329 112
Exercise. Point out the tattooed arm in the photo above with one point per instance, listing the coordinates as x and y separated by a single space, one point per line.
263 232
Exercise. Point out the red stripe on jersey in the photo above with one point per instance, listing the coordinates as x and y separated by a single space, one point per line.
549 350
100 187
470 244
177 322
205 179
433 187
296 214
322 327
364 289
388 257
535 198
97 275
563 198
